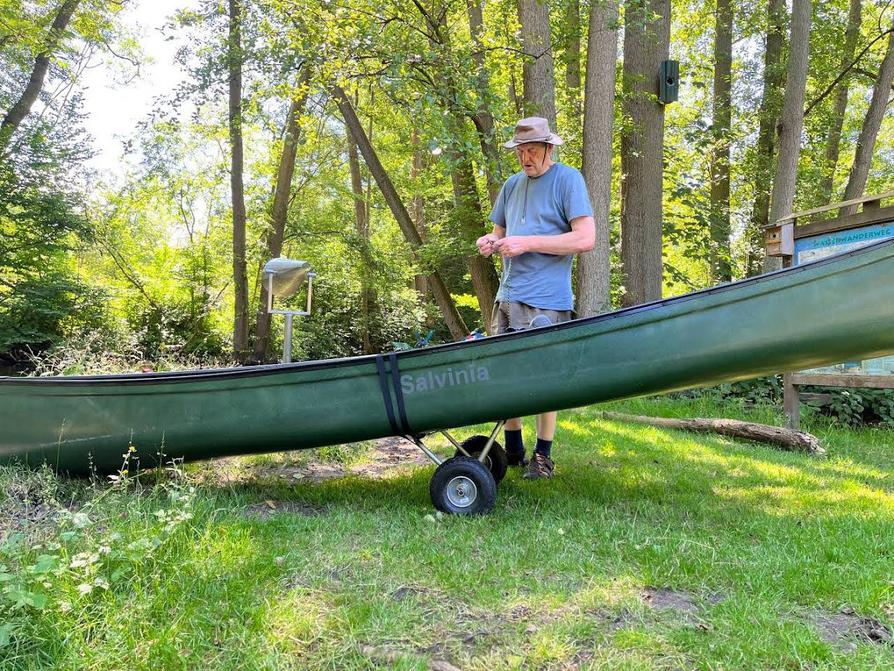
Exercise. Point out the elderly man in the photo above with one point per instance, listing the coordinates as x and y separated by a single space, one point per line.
541 218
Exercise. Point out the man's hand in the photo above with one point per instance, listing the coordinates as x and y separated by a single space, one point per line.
512 245
487 244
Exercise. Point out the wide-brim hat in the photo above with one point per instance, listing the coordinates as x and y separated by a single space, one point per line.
533 129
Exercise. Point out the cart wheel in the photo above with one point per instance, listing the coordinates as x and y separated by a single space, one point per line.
463 486
496 460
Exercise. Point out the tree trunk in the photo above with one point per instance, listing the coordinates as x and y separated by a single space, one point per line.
279 215
439 290
594 266
483 119
572 60
720 155
792 120
646 44
761 433
774 76
420 281
866 143
833 142
22 106
468 213
240 279
539 79
361 222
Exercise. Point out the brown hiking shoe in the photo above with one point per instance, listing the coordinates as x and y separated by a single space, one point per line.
541 466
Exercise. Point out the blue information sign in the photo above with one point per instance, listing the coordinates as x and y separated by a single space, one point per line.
827 244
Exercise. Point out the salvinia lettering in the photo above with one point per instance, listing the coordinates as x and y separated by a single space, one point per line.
432 381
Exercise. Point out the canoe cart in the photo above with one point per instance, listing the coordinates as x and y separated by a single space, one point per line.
466 483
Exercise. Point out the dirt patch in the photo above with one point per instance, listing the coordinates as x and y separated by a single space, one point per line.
846 629
268 509
387 456
682 605
405 592
389 657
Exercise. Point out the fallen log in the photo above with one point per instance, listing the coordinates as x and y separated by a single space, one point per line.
787 439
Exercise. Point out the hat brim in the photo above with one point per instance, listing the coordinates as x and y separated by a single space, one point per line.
552 139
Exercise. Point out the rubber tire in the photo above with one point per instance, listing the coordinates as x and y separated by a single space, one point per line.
469 468
496 461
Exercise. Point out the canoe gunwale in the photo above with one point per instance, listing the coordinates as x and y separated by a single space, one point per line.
281 369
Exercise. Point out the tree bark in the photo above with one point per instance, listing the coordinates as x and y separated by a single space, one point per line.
279 214
760 433
237 190
468 211
833 141
439 290
22 106
792 120
420 281
774 77
483 119
646 44
572 60
872 122
594 266
538 74
720 154
361 222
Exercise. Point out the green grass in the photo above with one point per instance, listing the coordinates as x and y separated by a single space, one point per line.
756 546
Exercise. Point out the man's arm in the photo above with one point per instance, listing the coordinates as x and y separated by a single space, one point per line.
486 243
581 238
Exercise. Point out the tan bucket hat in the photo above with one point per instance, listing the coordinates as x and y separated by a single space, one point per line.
533 129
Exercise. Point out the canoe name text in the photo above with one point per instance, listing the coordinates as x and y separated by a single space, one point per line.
432 381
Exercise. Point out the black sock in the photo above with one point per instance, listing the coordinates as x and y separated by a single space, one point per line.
514 444
543 446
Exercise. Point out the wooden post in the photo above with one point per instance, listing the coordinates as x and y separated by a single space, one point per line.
791 403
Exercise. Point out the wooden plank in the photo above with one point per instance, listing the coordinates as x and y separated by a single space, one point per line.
839 380
865 218
815 399
833 206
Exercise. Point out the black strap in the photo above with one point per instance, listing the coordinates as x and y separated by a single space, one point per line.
399 394
386 394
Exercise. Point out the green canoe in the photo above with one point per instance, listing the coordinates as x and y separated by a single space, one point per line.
824 312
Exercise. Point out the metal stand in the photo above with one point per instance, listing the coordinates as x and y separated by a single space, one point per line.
290 314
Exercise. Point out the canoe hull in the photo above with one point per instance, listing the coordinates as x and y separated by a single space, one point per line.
777 322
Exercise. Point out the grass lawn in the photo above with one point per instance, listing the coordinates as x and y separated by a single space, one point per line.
649 549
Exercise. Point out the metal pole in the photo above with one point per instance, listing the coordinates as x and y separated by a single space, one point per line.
287 340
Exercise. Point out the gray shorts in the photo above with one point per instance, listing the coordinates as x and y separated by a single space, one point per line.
512 316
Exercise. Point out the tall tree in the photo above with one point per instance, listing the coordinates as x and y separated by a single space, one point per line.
646 44
774 76
833 141
594 266
720 153
572 59
279 210
792 119
482 117
538 74
361 223
439 290
237 188
22 106
872 122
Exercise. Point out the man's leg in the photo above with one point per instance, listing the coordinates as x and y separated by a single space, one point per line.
515 447
541 465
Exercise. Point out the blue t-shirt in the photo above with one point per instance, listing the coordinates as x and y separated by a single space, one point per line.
540 206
